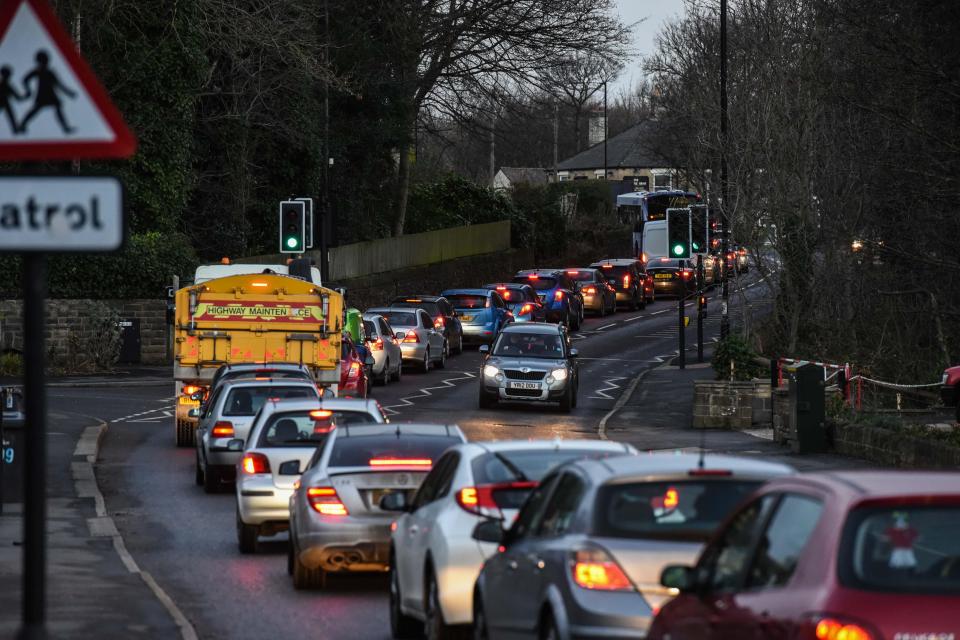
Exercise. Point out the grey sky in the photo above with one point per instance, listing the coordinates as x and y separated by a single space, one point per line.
656 12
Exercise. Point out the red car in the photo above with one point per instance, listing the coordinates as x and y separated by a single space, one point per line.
868 555
354 380
949 388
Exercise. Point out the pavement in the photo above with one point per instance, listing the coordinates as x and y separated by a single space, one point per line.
122 376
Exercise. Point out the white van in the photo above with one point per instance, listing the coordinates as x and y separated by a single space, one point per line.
655 239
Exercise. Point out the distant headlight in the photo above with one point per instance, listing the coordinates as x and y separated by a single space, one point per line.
559 374
490 371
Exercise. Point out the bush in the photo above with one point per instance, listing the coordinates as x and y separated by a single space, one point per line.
11 364
95 346
734 349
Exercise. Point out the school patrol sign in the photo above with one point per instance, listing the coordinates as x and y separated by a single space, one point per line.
52 107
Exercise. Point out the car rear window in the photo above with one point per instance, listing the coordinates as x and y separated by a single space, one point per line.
581 276
246 401
665 263
511 295
358 451
400 318
902 549
296 429
369 329
265 373
687 510
617 272
468 301
430 307
541 283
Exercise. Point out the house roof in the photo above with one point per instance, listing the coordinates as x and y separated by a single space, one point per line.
627 150
530 175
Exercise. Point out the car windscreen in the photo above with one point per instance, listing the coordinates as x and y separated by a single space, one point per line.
430 307
296 429
902 549
540 283
675 510
246 401
468 301
400 318
382 449
517 344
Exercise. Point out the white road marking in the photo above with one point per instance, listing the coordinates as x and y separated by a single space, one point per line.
611 384
661 311
637 317
606 326
425 392
166 414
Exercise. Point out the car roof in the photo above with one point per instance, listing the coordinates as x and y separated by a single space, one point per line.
854 486
498 446
413 298
401 429
617 262
350 404
539 272
653 465
382 310
284 405
506 285
254 366
472 292
531 327
266 382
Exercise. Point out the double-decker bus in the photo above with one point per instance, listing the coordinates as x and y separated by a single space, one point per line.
641 207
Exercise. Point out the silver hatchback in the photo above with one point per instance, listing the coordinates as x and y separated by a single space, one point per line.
422 346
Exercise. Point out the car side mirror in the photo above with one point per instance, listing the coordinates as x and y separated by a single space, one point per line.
369 361
574 353
394 502
489 530
193 413
678 576
484 349
400 335
235 445
290 468
196 396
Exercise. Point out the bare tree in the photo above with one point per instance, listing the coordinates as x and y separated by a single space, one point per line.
575 82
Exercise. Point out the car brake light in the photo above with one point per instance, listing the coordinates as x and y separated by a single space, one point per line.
321 414
671 499
222 429
644 257
481 501
354 370
439 322
325 501
254 463
501 288
743 252
533 276
573 273
590 290
664 259
626 281
830 628
559 295
411 337
377 345
400 462
595 569
525 309
686 274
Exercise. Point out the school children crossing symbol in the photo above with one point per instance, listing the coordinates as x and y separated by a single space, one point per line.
52 107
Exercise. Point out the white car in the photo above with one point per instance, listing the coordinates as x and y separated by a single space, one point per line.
384 346
283 438
434 561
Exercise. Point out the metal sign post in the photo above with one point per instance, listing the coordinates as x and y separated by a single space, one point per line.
681 299
700 305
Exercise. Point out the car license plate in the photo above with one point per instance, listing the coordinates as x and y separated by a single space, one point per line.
466 318
663 276
523 385
9 400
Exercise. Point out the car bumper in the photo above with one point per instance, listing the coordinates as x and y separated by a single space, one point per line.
607 615
479 332
260 501
545 392
456 579
379 362
593 303
217 454
625 296
672 287
345 543
413 351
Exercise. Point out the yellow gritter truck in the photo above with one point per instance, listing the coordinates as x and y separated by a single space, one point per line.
251 318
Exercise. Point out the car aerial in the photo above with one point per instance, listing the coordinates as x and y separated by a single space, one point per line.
421 344
354 380
434 559
521 300
599 296
284 437
445 317
626 276
228 416
950 388
673 276
583 557
336 523
844 555
530 362
557 292
384 347
483 313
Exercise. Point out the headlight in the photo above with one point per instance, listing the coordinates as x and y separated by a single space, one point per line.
490 371
559 374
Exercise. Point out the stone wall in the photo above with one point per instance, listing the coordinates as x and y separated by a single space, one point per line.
722 404
893 448
67 316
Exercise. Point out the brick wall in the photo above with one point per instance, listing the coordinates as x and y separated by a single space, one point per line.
64 316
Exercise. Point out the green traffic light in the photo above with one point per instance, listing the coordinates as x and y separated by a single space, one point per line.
292 242
678 249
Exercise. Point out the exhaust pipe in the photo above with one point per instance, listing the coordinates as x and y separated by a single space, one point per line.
337 559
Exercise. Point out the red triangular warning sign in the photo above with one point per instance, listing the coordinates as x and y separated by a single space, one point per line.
52 107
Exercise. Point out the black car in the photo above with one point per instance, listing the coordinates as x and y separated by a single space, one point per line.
443 314
675 277
627 277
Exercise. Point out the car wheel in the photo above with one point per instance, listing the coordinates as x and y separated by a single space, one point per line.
185 434
199 472
385 378
548 627
566 401
459 343
426 360
211 480
480 631
246 535
401 625
398 376
304 578
440 364
634 305
434 627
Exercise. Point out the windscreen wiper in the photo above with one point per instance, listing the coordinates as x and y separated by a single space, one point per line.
514 469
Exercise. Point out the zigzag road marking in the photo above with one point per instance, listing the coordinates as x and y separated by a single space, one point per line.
143 413
425 392
601 394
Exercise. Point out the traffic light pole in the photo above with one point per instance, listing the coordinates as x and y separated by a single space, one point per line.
681 299
700 305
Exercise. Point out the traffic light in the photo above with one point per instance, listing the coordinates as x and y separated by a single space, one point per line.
678 233
699 220
292 226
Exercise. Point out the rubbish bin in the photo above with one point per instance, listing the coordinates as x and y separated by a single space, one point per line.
806 400
11 450
129 341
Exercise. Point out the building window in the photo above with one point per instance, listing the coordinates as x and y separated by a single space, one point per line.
661 182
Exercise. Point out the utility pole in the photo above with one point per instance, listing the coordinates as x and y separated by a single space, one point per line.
605 130
326 214
493 149
556 141
724 217
681 327
701 304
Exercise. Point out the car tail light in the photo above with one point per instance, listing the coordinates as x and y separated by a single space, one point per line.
595 569
685 274
644 257
439 322
377 345
590 291
533 276
831 627
482 500
401 462
411 336
501 288
525 309
254 463
626 281
325 501
573 272
354 370
222 429
559 295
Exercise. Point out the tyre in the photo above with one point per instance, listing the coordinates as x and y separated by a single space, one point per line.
212 480
577 322
398 376
401 625
480 631
566 401
603 309
246 535
304 578
384 378
548 628
634 305
434 628
442 362
426 360
459 343
185 434
198 478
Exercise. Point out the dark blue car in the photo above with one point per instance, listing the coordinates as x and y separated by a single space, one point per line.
482 313
557 292
522 301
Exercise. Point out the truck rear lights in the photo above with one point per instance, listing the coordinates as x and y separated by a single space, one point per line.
595 569
222 429
325 501
255 463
